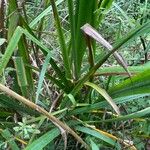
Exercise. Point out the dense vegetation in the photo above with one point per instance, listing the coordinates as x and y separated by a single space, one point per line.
74 74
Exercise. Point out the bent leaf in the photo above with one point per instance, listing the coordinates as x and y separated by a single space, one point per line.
105 95
42 75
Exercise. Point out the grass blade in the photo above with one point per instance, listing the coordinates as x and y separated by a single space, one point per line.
140 84
24 53
13 18
15 106
10 49
42 141
42 75
116 70
96 134
21 75
105 95
82 11
62 41
103 104
137 114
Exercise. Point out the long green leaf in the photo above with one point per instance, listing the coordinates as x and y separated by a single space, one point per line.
24 53
72 28
96 134
42 75
104 104
21 75
10 49
140 84
82 11
137 114
42 141
13 44
13 18
116 70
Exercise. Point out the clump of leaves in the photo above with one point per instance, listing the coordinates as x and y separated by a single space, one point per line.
24 130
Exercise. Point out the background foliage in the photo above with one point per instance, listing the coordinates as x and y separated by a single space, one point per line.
79 74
